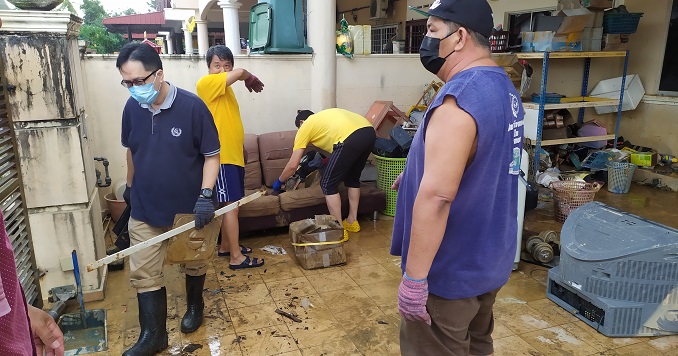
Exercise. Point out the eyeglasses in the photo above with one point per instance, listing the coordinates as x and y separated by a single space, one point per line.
129 83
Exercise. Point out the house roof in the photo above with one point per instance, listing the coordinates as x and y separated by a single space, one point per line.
153 18
151 22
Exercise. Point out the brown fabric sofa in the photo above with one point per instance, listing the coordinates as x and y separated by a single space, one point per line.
266 156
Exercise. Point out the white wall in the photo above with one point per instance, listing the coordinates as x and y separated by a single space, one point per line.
360 81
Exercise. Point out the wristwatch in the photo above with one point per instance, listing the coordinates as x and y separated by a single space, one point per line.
206 193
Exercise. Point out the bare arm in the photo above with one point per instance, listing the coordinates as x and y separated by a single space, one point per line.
130 168
235 75
292 164
450 145
210 170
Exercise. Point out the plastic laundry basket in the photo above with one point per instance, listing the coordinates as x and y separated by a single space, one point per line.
388 170
568 195
619 176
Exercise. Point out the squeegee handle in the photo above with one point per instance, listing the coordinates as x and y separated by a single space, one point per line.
164 236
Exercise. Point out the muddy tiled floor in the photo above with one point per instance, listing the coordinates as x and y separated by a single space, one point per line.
352 309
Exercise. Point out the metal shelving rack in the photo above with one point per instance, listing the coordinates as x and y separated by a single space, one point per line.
542 106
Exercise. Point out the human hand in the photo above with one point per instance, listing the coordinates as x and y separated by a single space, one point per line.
126 194
412 297
277 186
47 336
396 182
253 83
204 212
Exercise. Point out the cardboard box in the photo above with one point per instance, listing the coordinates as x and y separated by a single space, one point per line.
548 41
644 159
590 4
598 4
613 42
318 242
555 134
591 45
596 18
566 38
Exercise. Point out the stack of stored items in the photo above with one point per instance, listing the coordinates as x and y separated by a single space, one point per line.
618 24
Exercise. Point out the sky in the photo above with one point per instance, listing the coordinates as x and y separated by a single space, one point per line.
119 5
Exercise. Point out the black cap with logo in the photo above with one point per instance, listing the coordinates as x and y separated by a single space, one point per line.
476 15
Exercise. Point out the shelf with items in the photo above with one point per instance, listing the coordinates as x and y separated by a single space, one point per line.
564 141
554 55
542 106
573 105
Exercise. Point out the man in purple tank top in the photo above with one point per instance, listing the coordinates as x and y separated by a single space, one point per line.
456 214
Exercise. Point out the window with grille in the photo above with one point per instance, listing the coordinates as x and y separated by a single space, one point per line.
14 209
414 33
382 38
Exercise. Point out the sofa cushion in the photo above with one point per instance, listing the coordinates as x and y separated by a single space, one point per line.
302 198
253 176
262 206
275 150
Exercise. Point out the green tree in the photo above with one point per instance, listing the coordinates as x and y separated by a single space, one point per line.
93 12
94 31
101 40
67 6
129 11
157 5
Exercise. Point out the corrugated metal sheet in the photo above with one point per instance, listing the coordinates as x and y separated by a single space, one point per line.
153 18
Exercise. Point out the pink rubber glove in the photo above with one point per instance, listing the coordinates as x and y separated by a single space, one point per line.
412 297
254 84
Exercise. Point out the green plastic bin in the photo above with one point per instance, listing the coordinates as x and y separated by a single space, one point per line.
388 170
277 26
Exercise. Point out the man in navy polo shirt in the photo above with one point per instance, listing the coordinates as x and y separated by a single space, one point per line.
172 165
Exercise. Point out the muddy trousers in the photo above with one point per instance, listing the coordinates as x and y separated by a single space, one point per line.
146 266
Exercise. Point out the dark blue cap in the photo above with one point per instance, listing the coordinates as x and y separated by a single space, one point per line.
476 15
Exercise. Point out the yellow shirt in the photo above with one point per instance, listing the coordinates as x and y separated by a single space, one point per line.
328 127
221 102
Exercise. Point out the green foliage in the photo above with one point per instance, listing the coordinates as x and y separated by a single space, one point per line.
67 6
156 5
93 12
101 40
94 32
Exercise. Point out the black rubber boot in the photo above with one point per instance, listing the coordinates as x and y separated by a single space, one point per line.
195 304
153 321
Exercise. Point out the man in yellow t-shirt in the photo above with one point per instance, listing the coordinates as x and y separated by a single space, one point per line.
215 90
349 138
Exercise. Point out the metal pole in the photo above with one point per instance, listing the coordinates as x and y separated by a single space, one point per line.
542 103
621 99
584 87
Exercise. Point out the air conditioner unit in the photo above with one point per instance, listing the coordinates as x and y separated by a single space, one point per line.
378 9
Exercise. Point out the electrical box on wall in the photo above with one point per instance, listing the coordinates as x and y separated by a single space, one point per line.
378 9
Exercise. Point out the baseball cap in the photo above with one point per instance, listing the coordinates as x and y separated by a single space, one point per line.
475 15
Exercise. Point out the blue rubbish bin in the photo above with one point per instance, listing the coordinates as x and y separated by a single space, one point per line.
277 26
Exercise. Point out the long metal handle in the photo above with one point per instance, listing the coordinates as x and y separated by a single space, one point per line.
164 236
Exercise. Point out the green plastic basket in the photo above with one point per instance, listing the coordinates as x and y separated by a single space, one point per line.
388 170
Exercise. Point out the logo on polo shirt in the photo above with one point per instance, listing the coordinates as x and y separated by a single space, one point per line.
176 132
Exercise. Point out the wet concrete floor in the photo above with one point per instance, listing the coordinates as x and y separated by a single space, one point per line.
352 309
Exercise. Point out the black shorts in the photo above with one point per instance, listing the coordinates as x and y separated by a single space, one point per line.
348 160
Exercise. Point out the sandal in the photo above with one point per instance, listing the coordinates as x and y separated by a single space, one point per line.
248 263
243 249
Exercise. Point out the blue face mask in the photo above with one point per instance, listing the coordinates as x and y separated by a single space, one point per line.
144 94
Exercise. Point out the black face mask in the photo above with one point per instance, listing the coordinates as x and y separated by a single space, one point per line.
428 53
